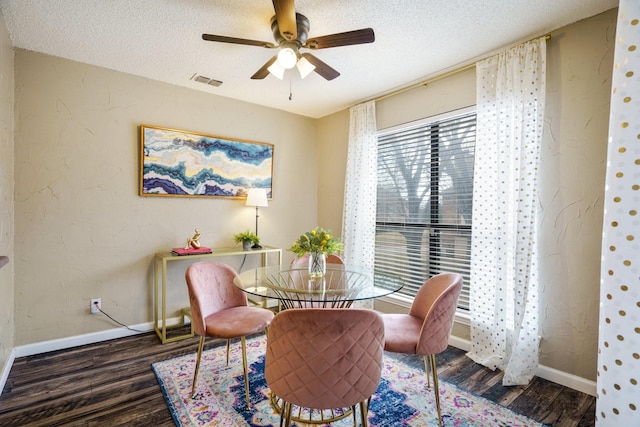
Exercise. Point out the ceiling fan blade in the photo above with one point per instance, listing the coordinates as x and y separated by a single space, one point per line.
235 40
365 35
264 70
286 17
321 68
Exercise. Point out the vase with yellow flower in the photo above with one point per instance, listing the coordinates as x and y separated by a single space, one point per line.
318 243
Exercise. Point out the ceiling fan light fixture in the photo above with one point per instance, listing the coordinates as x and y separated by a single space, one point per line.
305 67
291 33
277 70
287 58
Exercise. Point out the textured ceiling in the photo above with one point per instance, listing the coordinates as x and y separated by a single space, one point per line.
162 40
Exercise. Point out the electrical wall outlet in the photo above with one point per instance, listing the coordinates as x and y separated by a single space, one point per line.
96 305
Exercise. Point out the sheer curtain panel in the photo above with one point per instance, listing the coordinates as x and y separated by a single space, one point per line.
619 335
359 213
504 279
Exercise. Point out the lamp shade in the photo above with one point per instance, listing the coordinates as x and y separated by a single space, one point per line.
305 67
277 70
257 197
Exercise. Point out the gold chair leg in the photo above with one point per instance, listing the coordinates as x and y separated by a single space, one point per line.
363 413
228 346
283 409
195 374
244 367
288 406
427 364
434 370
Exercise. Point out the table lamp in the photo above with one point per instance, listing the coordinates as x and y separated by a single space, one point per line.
257 197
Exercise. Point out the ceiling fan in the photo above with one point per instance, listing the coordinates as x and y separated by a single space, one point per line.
290 31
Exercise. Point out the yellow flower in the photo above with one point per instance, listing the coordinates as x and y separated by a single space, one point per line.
327 236
313 232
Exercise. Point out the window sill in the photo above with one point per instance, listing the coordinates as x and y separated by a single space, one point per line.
399 300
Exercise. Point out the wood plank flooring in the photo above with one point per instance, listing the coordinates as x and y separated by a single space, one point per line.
112 384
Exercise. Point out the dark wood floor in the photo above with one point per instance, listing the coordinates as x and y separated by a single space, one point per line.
112 383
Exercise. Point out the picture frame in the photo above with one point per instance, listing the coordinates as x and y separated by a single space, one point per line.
178 163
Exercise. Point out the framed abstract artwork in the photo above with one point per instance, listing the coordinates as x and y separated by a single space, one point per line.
189 164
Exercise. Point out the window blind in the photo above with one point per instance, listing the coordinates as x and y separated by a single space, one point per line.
425 186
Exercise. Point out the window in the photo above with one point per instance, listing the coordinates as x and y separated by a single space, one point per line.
425 186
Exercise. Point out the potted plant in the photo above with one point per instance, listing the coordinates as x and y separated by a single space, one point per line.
317 243
247 238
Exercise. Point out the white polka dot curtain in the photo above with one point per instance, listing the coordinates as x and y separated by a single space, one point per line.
504 279
618 389
359 213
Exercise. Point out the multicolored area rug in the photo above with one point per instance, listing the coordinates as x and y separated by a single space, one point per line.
401 398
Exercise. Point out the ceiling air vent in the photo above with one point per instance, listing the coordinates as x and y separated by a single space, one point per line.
206 80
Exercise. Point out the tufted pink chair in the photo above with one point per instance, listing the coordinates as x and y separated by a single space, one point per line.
427 327
324 358
219 309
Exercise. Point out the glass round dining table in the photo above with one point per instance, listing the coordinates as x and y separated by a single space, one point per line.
339 287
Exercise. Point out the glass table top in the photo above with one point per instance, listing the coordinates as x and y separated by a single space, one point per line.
339 287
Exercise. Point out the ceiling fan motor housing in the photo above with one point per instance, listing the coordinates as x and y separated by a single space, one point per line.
302 27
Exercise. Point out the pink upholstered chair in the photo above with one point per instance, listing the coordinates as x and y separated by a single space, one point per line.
427 327
324 358
219 309
303 261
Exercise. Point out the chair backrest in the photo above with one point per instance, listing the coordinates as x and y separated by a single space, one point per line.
303 261
436 302
324 358
334 259
211 289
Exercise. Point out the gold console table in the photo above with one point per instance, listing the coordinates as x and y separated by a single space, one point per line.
162 259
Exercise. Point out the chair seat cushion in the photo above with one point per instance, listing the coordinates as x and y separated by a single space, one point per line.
401 332
237 321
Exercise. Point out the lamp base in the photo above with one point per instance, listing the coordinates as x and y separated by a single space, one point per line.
256 247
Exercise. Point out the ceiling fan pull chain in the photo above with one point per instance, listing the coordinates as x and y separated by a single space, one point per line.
290 91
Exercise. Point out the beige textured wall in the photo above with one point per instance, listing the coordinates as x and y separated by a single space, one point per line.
442 95
573 162
333 137
82 231
573 166
6 195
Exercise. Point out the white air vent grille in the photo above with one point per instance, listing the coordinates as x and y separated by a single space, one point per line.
206 80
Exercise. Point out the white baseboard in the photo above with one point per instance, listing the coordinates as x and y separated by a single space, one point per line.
460 343
559 377
6 369
69 342
568 380
75 341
